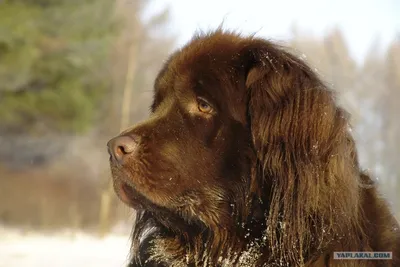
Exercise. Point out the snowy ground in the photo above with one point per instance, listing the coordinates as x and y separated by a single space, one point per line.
18 249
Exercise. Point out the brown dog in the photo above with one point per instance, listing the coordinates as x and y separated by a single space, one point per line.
246 160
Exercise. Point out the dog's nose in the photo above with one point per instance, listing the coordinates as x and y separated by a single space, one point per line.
121 146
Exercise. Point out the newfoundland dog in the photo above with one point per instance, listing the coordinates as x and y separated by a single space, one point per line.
247 160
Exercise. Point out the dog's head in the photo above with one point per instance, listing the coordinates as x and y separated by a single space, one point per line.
193 154
240 128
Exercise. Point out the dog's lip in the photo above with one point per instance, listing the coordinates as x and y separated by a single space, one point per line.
129 196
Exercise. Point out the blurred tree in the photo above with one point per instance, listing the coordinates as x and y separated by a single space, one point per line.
53 63
342 70
390 109
67 66
370 87
141 47
143 43
311 49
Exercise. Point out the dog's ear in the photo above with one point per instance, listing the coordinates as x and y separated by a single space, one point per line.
289 107
301 138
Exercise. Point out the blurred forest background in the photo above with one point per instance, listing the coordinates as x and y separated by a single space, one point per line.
69 81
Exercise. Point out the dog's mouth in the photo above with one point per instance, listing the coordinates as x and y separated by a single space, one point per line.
130 196
170 218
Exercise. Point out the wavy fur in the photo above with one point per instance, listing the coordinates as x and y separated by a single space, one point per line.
280 180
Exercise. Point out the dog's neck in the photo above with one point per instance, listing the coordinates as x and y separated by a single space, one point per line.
166 239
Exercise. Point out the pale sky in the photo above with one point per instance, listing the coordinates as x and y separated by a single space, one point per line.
362 21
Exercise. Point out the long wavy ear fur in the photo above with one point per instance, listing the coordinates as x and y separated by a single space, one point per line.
305 153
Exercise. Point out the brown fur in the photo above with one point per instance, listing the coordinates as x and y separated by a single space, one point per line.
269 177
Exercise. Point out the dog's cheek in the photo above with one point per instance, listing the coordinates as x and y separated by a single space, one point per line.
202 127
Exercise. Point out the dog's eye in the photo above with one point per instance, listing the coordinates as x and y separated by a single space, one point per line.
204 106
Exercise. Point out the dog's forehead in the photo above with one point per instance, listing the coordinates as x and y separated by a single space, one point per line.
209 66
210 50
203 63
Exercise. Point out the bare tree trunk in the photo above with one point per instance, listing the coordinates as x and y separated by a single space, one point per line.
75 218
44 208
107 194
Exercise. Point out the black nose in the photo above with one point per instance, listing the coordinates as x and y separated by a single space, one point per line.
121 146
